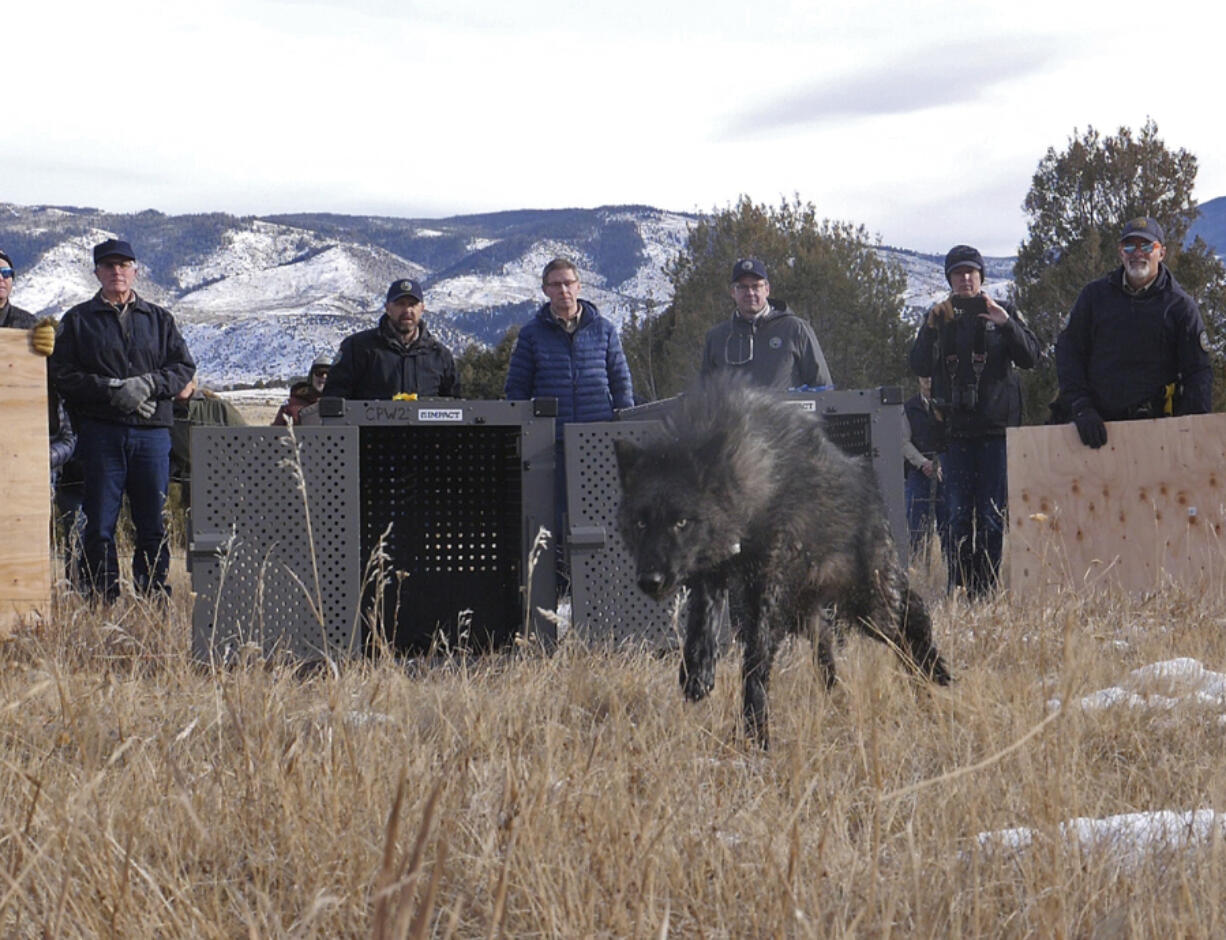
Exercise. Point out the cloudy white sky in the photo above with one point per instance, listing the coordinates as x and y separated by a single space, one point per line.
922 120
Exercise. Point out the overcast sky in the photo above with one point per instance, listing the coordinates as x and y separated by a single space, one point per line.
924 121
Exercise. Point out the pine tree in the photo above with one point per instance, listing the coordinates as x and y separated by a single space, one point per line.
483 372
827 272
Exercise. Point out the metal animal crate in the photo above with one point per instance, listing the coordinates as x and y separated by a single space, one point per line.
607 605
411 522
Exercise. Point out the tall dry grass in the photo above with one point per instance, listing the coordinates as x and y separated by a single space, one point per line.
578 795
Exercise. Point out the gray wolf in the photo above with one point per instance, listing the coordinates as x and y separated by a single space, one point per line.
745 493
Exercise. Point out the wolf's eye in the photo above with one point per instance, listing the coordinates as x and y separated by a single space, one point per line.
680 523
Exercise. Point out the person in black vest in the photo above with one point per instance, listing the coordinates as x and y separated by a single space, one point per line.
923 440
1135 345
969 345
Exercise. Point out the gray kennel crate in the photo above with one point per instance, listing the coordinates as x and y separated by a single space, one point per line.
414 519
607 605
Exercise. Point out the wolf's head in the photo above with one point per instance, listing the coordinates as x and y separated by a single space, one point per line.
679 512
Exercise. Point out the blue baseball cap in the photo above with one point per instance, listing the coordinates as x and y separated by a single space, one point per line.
748 267
405 287
1143 227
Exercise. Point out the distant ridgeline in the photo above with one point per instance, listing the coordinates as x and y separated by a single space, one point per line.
260 297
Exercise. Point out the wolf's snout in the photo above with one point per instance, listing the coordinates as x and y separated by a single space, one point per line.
652 583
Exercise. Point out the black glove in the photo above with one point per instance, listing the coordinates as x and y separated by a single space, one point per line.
127 394
1090 427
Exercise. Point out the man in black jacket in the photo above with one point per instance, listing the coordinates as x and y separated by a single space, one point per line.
398 356
42 332
1134 345
119 361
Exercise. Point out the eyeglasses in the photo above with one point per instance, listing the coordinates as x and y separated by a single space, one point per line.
556 284
1144 247
742 288
6 273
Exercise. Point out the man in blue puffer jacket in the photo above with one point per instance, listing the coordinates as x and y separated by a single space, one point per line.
568 351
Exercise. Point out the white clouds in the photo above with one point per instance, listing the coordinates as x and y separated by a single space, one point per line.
923 120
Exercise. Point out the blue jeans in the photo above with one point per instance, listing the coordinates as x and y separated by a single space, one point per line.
925 498
118 459
976 490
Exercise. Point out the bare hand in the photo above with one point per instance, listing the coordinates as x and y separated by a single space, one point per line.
996 313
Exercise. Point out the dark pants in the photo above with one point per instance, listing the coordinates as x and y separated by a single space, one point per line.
925 507
118 459
976 490
70 529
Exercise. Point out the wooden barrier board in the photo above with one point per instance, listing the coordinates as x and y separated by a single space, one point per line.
1146 509
25 484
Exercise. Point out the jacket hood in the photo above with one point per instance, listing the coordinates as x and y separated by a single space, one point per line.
1161 282
774 310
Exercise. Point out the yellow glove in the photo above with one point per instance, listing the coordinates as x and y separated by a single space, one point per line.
42 336
405 396
940 313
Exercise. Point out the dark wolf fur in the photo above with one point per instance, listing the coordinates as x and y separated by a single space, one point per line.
747 493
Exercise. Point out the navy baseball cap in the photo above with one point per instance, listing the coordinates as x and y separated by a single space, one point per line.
405 287
113 248
1143 227
748 267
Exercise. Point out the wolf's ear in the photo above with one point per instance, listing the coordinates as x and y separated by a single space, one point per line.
628 455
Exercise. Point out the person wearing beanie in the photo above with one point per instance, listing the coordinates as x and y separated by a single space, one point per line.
1135 345
971 346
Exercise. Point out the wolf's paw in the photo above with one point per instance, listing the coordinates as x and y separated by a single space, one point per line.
697 682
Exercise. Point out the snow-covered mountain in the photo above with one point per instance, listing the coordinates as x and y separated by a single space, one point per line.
258 298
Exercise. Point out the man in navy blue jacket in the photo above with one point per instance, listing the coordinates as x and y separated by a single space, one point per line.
1134 345
568 351
119 361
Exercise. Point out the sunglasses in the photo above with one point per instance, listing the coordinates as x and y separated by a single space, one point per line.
6 272
1144 247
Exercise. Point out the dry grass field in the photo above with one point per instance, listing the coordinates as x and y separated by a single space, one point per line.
578 795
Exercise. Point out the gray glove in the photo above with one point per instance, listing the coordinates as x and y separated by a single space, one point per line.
127 394
146 408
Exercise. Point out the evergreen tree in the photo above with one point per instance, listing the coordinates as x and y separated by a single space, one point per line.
483 372
1078 202
827 272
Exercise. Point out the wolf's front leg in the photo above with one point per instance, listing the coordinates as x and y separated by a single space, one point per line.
701 646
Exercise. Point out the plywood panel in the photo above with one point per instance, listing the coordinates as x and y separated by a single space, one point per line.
1148 507
25 500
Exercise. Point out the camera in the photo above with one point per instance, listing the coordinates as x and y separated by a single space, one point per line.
970 306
